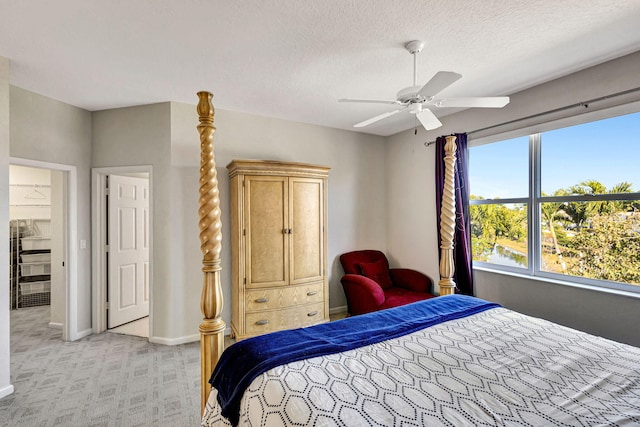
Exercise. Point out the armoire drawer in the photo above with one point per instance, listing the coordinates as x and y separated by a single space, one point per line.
285 296
294 317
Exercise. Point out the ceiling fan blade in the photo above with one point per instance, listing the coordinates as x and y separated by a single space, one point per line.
428 119
441 80
378 118
477 102
369 101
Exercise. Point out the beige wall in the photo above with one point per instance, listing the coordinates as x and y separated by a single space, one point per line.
613 315
356 213
138 136
165 136
46 130
411 231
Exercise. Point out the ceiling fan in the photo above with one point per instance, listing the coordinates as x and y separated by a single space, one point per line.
417 99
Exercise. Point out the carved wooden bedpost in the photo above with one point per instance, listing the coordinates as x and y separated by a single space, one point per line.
448 219
212 326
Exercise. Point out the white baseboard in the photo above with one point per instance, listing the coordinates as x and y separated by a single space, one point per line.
175 341
54 325
338 310
6 391
81 334
182 340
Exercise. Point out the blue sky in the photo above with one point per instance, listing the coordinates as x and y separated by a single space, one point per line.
607 151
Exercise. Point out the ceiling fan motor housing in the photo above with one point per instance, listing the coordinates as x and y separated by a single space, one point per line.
410 95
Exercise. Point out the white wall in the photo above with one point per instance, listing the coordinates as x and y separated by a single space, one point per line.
5 379
411 230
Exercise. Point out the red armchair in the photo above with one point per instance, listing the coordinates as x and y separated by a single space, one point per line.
370 284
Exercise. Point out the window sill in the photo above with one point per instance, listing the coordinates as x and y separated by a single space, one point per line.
593 288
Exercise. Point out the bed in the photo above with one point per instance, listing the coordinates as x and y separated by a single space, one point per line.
454 360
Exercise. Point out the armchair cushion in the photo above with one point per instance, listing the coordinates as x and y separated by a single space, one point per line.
396 297
377 271
411 279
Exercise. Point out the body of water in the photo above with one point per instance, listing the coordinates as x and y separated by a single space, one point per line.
504 256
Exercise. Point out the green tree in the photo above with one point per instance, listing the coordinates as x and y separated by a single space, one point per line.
550 212
482 218
515 223
610 249
607 249
619 205
580 212
492 222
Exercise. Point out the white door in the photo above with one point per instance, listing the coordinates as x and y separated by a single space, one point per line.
128 255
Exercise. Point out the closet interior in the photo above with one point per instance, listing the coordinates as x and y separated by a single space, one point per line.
29 237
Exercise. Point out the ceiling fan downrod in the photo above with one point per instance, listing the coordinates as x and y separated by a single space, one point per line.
414 47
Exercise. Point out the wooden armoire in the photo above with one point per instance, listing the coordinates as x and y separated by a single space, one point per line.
278 246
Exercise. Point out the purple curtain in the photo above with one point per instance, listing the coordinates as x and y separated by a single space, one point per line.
462 238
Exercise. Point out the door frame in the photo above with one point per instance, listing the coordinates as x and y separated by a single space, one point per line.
70 250
98 236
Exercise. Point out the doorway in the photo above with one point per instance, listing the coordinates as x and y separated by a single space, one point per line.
40 231
122 256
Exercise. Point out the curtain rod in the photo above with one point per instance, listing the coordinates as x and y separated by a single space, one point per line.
584 104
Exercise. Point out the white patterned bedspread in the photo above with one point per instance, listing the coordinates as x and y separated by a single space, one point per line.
495 368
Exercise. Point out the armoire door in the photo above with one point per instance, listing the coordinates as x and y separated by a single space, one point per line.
266 231
306 208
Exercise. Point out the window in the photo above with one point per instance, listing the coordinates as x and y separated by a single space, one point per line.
562 204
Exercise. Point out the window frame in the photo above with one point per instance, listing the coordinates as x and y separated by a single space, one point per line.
534 201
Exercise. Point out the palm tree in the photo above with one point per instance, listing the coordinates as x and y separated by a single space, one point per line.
581 211
620 205
550 211
622 187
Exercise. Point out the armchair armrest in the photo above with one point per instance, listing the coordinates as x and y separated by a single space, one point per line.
411 279
363 294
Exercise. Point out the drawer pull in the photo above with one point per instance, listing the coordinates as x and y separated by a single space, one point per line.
262 322
263 299
312 313
311 293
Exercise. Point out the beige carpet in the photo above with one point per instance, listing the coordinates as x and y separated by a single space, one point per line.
101 380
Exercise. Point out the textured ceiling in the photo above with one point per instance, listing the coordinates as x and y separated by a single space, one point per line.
294 59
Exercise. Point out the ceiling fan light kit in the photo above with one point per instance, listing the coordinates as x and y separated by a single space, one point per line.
415 108
416 99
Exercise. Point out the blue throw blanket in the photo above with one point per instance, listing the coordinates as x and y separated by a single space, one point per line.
242 362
